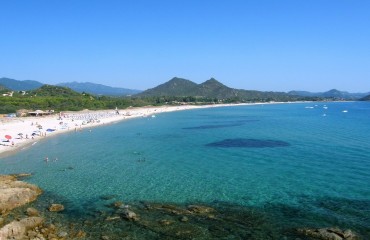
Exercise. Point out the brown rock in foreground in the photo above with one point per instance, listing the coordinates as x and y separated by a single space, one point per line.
18 229
329 234
14 193
56 207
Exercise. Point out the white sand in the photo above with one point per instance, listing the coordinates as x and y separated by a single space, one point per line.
34 129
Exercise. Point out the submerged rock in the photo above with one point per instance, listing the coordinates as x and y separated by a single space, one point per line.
329 234
56 207
200 209
111 218
14 193
32 212
62 234
165 222
184 219
20 175
18 229
129 215
108 197
117 204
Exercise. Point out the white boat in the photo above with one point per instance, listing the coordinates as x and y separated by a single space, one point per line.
345 111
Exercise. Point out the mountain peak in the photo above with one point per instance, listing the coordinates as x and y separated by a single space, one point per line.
212 83
178 79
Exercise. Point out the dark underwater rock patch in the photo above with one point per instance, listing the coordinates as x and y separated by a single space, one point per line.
248 143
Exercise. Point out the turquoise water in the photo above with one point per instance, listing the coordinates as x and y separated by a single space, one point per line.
301 166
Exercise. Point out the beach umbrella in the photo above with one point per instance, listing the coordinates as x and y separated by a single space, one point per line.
20 134
8 137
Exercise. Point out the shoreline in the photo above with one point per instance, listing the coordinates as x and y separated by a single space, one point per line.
27 131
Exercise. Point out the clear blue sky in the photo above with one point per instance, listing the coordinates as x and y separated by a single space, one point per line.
277 45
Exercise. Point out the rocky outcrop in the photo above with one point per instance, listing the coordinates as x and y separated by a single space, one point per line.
14 193
32 212
329 234
200 209
18 229
129 215
56 207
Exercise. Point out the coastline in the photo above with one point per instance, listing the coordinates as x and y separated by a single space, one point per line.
35 129
27 131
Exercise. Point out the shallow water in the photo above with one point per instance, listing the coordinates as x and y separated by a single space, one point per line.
296 166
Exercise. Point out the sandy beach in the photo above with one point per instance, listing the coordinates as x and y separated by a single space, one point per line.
20 132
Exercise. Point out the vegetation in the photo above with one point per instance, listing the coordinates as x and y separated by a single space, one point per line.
64 99
333 93
3 89
367 98
213 89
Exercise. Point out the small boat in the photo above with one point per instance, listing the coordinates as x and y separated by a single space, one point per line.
308 107
344 111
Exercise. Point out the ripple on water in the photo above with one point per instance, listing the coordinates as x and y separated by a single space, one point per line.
248 143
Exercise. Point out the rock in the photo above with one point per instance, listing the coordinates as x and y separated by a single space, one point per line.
1 221
18 229
20 175
129 215
32 212
56 207
348 234
81 234
200 209
14 193
117 204
31 234
184 219
168 208
62 234
104 237
52 227
111 218
165 222
329 234
108 197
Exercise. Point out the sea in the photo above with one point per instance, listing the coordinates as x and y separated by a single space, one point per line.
266 170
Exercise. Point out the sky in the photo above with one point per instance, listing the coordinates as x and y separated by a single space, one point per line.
267 45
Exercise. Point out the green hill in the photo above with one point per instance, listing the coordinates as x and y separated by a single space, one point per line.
367 98
175 87
54 91
17 85
333 93
213 89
